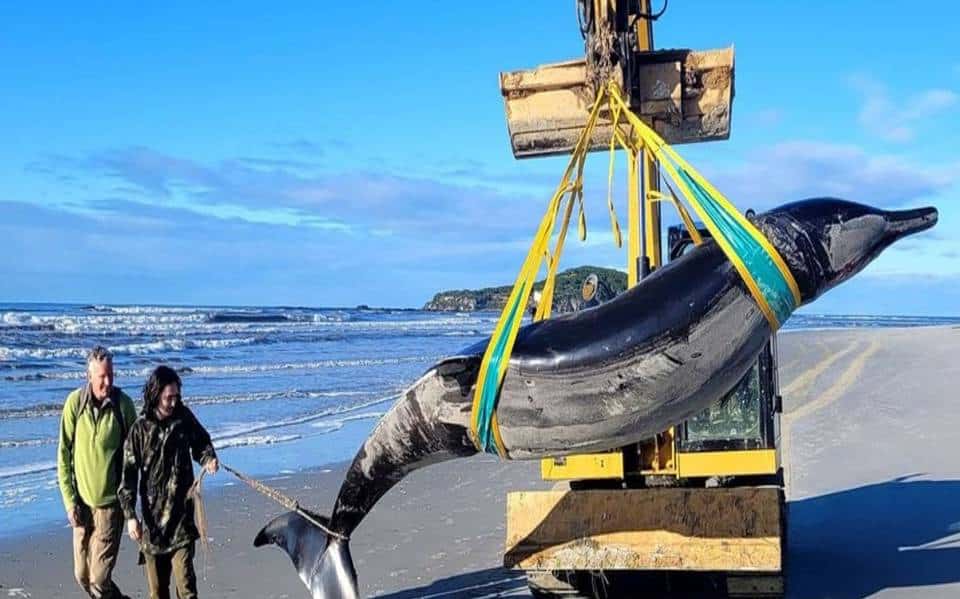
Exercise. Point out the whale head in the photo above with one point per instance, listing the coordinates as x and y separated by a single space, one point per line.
826 241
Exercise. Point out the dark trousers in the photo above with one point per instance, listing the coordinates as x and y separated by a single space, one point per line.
179 563
96 543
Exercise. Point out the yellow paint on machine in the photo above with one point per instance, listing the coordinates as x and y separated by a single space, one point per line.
594 466
727 463
587 466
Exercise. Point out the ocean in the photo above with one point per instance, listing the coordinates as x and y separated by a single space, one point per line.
280 389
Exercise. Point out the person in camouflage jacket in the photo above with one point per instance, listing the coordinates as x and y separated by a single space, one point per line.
157 466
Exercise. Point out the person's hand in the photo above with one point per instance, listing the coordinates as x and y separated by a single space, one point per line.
73 516
134 530
212 466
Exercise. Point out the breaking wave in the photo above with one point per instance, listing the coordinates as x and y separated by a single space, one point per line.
230 368
20 470
27 442
225 437
173 345
344 363
37 411
268 396
254 440
306 419
46 410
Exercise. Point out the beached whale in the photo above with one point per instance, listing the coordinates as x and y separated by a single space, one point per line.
600 378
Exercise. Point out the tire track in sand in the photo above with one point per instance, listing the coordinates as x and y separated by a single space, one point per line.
803 382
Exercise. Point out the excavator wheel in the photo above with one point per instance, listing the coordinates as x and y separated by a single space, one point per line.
565 584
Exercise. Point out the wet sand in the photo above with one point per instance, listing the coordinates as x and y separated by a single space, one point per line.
870 429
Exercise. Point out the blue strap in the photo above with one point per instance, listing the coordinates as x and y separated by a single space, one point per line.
490 391
768 277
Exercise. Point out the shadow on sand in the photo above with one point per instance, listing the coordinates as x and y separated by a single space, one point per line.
893 535
896 534
483 583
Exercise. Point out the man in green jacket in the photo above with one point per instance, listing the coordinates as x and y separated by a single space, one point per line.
94 423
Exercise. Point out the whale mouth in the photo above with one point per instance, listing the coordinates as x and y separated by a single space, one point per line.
901 223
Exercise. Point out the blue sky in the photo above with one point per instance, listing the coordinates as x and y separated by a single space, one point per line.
308 154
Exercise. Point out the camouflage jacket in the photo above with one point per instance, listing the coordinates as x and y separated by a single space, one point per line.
157 466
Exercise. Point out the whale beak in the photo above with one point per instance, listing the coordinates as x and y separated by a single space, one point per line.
901 223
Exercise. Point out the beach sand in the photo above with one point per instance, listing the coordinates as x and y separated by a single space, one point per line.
870 429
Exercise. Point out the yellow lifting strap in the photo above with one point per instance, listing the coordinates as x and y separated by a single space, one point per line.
496 358
656 196
759 264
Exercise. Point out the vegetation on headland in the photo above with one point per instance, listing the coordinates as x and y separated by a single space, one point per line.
566 297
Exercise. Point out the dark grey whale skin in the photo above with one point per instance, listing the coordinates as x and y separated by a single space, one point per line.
607 376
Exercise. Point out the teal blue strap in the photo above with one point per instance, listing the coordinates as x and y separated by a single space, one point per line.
769 279
490 391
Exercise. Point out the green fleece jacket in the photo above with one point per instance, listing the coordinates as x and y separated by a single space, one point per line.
90 454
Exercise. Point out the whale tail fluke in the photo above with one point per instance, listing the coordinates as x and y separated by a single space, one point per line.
323 563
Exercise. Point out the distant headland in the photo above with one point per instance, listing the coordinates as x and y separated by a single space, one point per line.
566 296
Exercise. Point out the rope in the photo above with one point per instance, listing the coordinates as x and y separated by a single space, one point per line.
200 519
287 502
484 429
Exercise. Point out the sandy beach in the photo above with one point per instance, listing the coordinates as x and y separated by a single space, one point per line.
870 430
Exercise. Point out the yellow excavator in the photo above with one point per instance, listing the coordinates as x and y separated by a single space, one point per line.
698 510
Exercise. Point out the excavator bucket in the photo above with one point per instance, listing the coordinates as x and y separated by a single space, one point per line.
685 95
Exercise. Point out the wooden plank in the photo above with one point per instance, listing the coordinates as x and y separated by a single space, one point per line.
661 529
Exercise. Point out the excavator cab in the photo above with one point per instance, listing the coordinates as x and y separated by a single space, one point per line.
747 418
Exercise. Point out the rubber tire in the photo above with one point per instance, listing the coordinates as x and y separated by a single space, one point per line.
548 584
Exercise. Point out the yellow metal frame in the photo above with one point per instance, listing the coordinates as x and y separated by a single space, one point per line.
634 203
727 463
699 464
589 466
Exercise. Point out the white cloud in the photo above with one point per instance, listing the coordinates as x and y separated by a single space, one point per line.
267 191
895 119
800 169
932 255
929 102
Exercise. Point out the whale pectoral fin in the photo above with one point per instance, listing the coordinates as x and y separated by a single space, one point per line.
323 564
453 366
459 372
